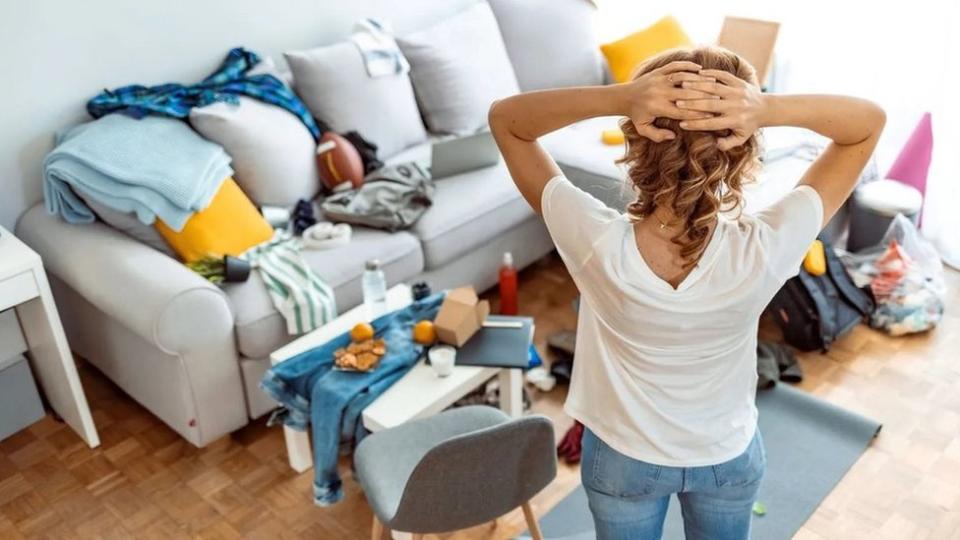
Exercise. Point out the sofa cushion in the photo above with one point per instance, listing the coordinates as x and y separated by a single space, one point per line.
590 164
335 86
459 66
229 226
260 328
272 151
625 55
541 56
469 210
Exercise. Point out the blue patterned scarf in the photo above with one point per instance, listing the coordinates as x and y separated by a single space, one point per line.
225 84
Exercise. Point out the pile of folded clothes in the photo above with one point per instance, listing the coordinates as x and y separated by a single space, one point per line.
152 167
160 170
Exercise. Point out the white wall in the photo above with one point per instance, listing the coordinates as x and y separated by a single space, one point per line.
894 53
56 54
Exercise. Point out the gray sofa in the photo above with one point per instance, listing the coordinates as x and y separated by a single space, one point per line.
193 353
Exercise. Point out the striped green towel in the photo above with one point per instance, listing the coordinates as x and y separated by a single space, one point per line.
304 300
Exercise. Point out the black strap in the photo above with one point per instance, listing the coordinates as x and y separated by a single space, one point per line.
828 323
855 296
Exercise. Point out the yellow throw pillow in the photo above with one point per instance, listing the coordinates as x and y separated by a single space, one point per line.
624 55
229 226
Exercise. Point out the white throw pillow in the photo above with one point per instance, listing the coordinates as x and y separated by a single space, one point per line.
272 151
459 66
559 49
127 223
335 86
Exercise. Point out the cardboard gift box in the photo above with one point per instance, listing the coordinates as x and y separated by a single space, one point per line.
461 315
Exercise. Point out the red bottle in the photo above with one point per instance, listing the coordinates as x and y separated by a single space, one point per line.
508 286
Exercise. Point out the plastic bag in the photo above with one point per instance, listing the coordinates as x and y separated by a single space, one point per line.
924 255
905 275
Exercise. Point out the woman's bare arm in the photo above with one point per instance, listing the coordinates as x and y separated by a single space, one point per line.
518 121
853 125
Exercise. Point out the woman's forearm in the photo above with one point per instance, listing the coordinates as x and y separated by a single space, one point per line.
531 115
853 124
846 120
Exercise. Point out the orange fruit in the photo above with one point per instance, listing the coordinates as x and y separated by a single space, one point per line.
424 333
361 332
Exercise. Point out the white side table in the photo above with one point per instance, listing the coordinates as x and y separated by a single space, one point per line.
23 286
418 394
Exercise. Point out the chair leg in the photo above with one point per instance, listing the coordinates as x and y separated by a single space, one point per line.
378 531
531 521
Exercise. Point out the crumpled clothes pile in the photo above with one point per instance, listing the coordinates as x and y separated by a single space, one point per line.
776 362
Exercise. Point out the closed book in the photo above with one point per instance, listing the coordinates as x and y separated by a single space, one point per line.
499 347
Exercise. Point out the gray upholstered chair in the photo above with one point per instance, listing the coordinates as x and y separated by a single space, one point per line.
455 470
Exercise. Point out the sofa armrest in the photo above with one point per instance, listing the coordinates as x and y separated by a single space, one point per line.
150 293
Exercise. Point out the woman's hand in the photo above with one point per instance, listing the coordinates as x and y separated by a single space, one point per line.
740 107
655 95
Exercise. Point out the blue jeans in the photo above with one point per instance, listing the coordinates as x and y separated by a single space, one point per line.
331 401
629 498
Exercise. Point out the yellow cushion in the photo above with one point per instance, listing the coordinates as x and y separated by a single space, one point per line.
229 226
624 55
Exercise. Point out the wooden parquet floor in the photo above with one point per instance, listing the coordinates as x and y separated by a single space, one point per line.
145 482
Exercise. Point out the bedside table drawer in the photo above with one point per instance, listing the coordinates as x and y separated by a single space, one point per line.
17 290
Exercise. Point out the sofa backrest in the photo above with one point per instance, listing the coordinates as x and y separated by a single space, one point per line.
551 43
59 54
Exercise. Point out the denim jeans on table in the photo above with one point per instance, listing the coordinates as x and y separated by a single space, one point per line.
312 393
628 497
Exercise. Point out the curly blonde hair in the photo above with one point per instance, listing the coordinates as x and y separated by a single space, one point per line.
689 174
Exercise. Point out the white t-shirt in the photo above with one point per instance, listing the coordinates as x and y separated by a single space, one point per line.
664 375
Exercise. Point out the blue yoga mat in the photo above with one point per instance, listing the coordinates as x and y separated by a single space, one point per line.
810 445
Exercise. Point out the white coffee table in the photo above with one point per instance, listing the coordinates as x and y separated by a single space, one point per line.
420 393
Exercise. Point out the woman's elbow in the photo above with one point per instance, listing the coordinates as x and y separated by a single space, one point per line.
495 116
878 117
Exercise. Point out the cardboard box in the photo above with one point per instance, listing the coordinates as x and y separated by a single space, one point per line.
461 315
752 39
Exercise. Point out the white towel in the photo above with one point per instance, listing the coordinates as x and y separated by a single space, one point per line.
304 300
381 55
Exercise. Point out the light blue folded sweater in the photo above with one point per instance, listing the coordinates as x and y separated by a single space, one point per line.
155 167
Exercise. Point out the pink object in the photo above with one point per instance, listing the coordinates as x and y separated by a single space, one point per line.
913 162
892 267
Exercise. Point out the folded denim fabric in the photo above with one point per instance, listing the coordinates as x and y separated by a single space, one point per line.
336 399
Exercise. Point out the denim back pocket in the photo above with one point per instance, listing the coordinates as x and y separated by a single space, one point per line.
607 471
745 469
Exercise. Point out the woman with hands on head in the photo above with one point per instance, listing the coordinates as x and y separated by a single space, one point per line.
672 286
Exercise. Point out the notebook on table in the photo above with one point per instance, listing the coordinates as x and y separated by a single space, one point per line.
499 347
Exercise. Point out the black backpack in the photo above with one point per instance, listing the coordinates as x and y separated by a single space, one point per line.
813 311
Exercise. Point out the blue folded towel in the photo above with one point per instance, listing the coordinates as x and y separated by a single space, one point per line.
153 167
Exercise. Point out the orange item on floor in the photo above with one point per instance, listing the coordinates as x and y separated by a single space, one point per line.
612 136
815 261
229 226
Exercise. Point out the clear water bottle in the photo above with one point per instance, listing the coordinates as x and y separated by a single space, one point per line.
374 289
